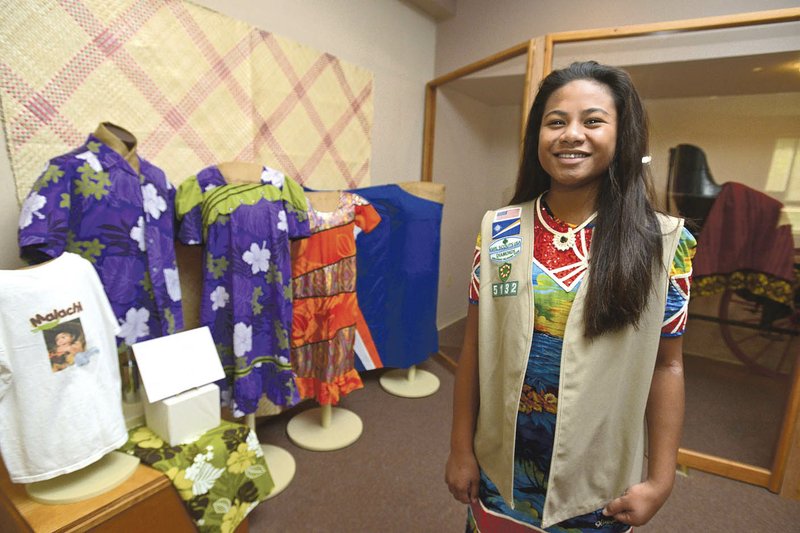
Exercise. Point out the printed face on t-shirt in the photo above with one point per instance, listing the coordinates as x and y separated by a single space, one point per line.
64 342
63 339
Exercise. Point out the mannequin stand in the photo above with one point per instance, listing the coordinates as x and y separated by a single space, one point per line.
110 471
280 462
325 428
413 383
133 413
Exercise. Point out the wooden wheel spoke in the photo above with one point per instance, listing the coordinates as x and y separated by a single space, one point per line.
755 346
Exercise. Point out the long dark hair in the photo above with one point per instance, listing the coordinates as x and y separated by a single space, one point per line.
626 243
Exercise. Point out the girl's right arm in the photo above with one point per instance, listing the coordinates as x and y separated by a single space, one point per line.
461 474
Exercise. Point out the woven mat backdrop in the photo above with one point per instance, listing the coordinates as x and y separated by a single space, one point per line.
194 86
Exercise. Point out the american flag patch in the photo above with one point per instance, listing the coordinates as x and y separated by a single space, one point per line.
507 214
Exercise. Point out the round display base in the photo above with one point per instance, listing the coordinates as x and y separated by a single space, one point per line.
99 477
397 382
306 429
281 467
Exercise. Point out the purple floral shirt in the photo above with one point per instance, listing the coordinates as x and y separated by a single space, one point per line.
91 202
247 278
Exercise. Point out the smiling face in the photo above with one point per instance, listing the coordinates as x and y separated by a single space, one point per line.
578 135
63 339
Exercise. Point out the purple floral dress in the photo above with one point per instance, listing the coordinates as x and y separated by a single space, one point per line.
247 278
92 202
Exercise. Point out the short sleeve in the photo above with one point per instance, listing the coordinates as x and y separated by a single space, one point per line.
475 273
367 218
295 205
44 215
188 211
298 225
680 278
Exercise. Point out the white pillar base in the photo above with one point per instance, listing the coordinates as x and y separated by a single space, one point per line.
325 428
282 468
101 476
411 383
280 462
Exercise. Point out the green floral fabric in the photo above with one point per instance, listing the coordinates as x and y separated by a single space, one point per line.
220 477
756 283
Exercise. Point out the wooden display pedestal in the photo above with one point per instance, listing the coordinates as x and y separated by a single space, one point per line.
147 501
97 478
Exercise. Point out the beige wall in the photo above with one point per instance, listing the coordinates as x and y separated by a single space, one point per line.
476 160
388 37
9 213
737 134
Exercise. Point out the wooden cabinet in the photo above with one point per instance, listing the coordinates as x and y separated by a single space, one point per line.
147 501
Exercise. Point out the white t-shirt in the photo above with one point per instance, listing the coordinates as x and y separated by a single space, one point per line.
60 397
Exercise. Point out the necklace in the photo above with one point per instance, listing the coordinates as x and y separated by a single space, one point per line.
562 240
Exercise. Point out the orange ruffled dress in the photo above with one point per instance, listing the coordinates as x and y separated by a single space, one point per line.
326 315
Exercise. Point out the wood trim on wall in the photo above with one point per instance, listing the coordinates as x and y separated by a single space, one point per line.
724 467
428 132
533 77
548 55
790 484
481 64
431 90
789 428
680 26
527 96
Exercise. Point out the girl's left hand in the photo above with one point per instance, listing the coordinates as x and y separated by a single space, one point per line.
638 504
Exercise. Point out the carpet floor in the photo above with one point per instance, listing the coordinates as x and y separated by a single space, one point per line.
391 479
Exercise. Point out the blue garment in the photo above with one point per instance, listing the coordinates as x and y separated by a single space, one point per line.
398 275
91 202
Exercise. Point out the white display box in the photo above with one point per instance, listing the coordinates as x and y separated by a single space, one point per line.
184 416
181 401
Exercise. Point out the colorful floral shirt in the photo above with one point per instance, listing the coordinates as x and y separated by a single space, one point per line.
247 278
557 275
220 476
93 203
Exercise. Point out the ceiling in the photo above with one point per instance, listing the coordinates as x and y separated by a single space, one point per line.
438 9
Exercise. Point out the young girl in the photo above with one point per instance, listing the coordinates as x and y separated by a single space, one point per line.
575 345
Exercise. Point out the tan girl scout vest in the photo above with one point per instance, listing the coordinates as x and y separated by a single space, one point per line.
600 431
